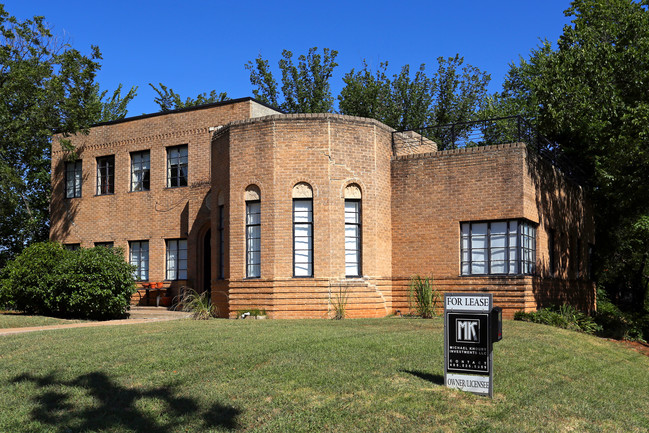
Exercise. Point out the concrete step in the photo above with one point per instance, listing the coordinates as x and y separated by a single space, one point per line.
138 312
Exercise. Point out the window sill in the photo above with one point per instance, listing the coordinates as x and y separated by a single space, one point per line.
175 187
102 195
140 190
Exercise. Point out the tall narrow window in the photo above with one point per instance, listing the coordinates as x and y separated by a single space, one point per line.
73 179
176 259
579 265
177 166
253 239
106 175
353 240
221 229
139 257
498 247
252 198
302 230
140 171
551 252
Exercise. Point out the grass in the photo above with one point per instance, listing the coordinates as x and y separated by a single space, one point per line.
312 376
16 320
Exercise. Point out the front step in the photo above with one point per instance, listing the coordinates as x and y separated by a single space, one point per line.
138 312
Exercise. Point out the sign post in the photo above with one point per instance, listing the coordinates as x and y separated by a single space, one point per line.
471 325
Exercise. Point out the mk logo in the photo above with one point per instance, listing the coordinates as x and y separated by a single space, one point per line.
468 330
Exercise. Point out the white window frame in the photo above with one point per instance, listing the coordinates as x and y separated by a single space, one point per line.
303 237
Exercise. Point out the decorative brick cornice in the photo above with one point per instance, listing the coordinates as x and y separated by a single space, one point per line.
139 140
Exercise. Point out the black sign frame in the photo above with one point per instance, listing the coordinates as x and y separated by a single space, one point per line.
468 351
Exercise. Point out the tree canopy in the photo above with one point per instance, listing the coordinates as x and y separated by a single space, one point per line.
45 87
169 100
305 87
590 94
406 101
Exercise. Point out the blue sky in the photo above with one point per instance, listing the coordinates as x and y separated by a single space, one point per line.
195 46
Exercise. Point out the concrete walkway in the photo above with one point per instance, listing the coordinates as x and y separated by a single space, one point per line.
137 315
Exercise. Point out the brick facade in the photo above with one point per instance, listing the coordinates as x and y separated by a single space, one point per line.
413 200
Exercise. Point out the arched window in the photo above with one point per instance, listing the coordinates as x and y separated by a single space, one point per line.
353 239
253 231
302 230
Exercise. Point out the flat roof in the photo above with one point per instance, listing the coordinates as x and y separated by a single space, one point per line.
193 108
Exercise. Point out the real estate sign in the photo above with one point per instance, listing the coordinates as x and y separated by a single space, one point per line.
468 342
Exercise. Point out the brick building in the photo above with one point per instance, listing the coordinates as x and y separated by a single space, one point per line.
285 212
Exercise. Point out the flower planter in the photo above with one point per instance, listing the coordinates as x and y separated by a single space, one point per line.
164 301
158 285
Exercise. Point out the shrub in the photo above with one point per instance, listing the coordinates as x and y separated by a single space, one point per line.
615 323
46 279
422 297
27 281
339 302
565 316
93 283
198 304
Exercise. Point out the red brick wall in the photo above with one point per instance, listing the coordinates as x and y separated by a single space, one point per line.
328 152
412 207
433 193
155 215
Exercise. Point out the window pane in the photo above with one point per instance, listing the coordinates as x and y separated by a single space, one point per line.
478 268
498 240
479 242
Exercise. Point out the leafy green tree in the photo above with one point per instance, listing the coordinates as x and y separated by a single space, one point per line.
305 87
591 95
45 87
115 107
169 100
451 95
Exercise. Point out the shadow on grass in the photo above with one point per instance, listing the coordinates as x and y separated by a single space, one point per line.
154 410
437 379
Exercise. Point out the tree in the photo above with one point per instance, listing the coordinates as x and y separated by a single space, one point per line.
305 87
45 87
169 100
591 96
115 107
451 95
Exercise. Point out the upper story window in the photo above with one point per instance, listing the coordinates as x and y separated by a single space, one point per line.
106 175
177 166
73 179
302 230
353 244
140 171
498 247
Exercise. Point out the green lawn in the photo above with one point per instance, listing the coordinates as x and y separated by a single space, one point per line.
312 375
14 320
